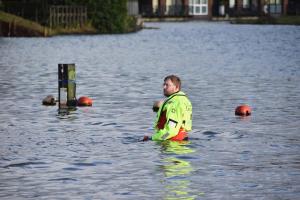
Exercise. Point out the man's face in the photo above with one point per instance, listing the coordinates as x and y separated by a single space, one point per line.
169 88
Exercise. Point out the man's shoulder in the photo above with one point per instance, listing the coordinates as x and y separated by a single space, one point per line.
176 98
181 95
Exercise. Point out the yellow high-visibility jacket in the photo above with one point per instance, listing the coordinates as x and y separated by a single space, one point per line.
174 114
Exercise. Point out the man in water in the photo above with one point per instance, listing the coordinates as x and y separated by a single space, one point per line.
174 116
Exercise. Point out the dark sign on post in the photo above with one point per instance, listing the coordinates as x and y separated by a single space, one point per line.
66 86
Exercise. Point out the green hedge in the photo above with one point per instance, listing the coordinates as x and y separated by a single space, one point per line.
107 16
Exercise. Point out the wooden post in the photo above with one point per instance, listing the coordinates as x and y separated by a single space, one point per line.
15 27
285 6
239 6
9 29
36 15
66 86
185 5
162 7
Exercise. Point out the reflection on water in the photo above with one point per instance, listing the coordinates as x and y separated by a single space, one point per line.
176 167
64 112
176 147
177 171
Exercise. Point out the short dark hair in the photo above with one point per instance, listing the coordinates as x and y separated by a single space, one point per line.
175 80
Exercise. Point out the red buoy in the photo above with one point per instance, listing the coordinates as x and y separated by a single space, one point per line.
84 101
243 110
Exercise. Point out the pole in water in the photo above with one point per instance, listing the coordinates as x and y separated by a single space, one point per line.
66 87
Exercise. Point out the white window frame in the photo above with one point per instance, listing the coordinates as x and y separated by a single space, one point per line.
198 5
246 3
231 3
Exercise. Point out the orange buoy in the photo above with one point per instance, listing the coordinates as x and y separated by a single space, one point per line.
84 101
243 110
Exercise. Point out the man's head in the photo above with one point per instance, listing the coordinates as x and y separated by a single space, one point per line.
172 84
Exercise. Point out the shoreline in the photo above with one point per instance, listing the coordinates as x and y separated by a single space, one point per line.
263 20
14 26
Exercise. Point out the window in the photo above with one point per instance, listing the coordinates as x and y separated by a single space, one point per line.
246 3
231 3
198 7
275 7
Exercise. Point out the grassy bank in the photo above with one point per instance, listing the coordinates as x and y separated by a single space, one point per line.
86 29
283 20
12 25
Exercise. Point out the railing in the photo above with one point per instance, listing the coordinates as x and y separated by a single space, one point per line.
67 16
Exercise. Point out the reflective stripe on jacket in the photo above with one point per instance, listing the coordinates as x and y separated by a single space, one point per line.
173 115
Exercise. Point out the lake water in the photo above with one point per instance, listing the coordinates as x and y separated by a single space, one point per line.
95 153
